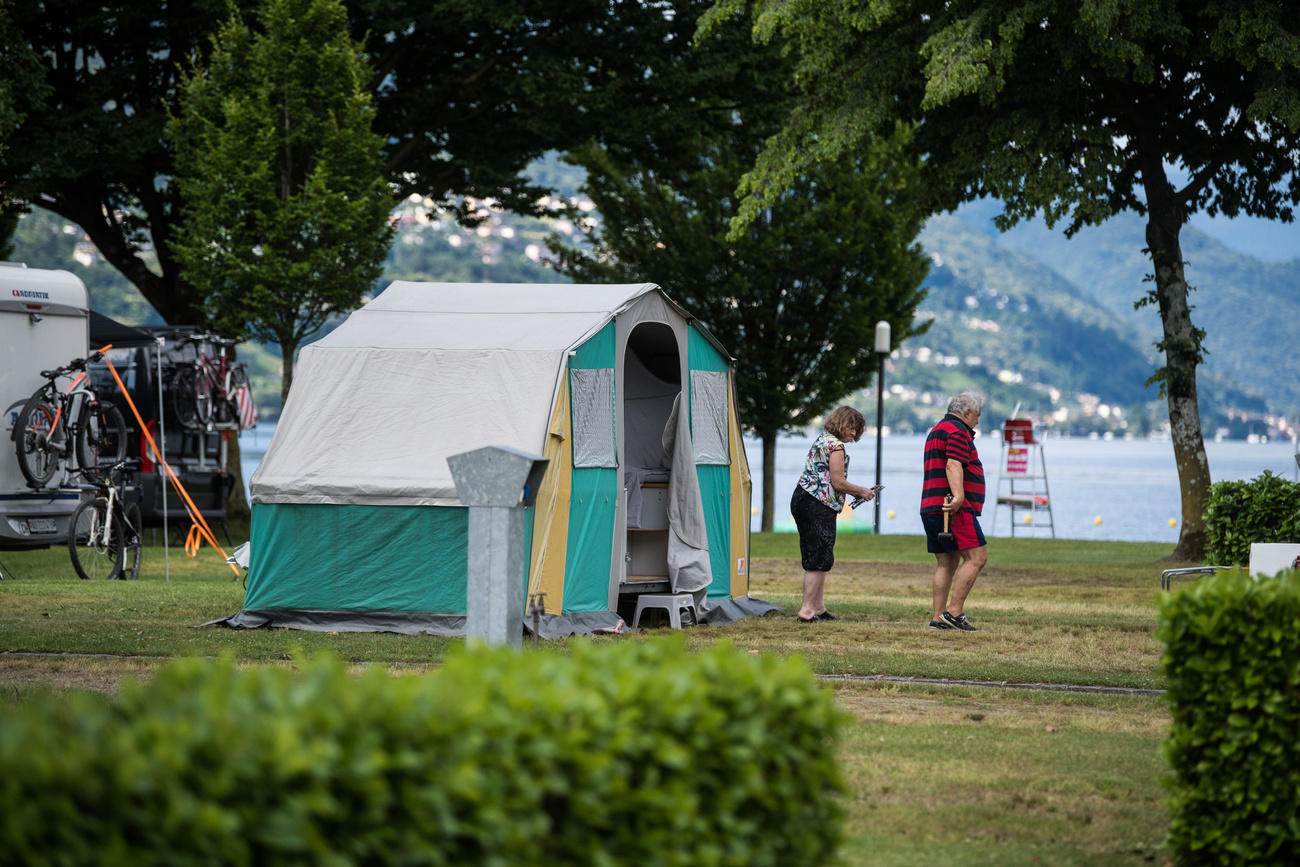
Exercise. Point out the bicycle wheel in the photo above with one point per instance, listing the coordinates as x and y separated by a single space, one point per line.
191 397
94 542
228 406
101 436
37 457
132 541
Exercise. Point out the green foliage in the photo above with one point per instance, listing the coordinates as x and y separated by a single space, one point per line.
639 752
797 295
20 87
466 94
21 90
1048 105
1265 509
796 298
1232 657
1068 110
286 216
90 144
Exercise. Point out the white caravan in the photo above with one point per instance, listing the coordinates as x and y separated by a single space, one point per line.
43 325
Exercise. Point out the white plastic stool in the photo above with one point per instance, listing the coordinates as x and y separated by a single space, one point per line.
672 603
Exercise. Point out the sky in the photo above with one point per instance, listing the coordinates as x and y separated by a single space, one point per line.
1263 239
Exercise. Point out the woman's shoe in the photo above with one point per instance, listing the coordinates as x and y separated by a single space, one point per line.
812 619
825 615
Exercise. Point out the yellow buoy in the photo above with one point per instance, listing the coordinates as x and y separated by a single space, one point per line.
1173 522
1097 520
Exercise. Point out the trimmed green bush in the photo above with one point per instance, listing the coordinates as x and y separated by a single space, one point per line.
1232 657
637 752
1265 509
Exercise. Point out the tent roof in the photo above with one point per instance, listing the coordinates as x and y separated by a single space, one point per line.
425 371
483 316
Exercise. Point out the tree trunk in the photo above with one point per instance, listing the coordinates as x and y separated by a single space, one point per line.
175 300
1182 347
237 508
769 480
286 369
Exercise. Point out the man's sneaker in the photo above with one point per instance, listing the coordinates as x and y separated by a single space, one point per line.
958 622
940 624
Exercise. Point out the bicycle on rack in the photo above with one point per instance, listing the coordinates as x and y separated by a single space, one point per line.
56 425
204 391
106 535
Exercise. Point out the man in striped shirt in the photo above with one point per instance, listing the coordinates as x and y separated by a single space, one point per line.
954 484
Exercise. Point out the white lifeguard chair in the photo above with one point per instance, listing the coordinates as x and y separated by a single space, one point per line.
1022 479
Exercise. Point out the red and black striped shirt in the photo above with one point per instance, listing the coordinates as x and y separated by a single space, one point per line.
951 439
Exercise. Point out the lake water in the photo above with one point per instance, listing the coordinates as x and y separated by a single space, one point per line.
1130 485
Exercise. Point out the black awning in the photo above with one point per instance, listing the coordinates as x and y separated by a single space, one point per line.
104 331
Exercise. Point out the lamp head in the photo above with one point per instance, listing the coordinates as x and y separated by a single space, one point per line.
882 337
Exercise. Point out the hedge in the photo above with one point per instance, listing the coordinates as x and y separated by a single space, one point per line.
1232 658
633 753
1265 509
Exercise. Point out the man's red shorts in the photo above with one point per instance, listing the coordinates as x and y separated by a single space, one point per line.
964 526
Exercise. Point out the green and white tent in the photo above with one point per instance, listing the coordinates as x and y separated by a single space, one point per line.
356 524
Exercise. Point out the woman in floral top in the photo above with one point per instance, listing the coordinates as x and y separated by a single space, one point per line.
817 501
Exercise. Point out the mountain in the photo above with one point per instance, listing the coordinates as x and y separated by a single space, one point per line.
1011 327
1047 325
1249 309
1022 317
1032 319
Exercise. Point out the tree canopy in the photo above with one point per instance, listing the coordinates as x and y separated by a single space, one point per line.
19 73
466 94
1075 110
286 215
796 296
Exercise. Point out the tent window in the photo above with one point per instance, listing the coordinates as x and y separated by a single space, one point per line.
709 416
593 417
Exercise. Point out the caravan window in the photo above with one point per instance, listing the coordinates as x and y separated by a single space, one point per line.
709 416
592 392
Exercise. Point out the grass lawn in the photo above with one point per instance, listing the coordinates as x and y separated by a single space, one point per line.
990 775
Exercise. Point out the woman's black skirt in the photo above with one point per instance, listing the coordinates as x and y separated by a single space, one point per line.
816 523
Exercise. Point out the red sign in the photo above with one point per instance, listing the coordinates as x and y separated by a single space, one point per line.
1017 460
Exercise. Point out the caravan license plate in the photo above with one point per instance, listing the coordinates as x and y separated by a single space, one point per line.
42 525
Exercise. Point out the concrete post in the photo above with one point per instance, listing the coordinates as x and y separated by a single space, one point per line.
496 483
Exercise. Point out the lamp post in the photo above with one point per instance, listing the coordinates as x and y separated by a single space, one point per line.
882 351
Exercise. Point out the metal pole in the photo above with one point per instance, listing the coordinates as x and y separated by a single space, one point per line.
882 350
497 483
161 469
880 421
494 607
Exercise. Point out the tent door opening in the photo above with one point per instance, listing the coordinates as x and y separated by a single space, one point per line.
652 383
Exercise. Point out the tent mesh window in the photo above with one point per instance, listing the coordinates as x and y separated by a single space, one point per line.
593 417
709 417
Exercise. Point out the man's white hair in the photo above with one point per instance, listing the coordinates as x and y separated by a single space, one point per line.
966 401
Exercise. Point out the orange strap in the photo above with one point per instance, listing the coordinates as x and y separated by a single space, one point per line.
193 541
199 529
